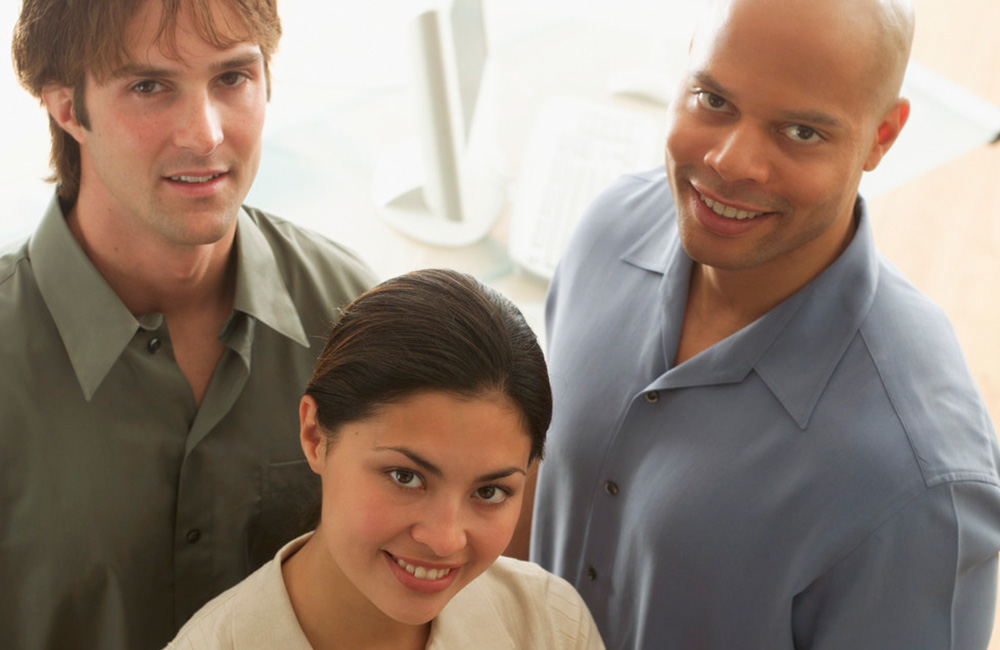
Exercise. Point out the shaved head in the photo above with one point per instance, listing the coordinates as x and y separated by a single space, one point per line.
881 29
894 21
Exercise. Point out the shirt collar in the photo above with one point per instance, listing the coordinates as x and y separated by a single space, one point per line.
649 253
260 289
819 323
262 608
796 346
473 618
94 324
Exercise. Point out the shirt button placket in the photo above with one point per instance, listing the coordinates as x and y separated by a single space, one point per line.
154 345
611 489
653 397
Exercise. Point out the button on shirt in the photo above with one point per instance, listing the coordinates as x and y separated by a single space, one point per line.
123 506
825 478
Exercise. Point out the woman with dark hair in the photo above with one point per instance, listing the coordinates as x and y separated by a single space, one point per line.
427 406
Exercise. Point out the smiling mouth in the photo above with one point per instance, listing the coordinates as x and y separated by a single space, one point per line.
728 211
194 179
422 573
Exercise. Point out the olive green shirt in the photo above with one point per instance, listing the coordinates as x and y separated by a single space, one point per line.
124 507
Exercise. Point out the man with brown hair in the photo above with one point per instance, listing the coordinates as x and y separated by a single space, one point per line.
157 333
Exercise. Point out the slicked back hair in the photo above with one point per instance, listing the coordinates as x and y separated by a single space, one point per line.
431 330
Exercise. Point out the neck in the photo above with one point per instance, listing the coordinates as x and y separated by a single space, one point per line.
150 275
733 298
721 302
333 614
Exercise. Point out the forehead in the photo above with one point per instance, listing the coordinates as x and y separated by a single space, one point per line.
789 55
182 32
448 424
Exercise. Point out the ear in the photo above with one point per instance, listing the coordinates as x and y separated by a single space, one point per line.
311 438
887 132
59 102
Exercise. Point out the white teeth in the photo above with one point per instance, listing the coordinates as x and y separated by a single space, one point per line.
728 211
423 573
194 179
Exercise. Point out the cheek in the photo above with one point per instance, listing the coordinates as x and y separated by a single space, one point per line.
366 513
817 186
246 120
494 532
126 134
378 518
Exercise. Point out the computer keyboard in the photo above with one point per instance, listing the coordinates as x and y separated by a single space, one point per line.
577 148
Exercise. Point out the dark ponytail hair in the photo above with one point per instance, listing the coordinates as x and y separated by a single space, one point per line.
433 329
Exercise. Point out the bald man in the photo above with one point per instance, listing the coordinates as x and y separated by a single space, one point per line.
764 437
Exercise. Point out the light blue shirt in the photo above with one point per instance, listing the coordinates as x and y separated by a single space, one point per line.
825 478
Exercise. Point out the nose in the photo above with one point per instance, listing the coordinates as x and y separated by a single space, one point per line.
199 126
442 529
741 155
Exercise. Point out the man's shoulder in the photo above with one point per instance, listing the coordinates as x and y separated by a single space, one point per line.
926 378
297 241
906 327
18 291
301 253
635 210
628 207
12 256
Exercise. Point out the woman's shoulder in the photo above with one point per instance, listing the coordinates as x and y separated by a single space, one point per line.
211 626
255 613
518 576
521 602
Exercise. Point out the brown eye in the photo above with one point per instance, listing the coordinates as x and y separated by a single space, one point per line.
712 102
405 478
145 87
802 134
232 79
492 494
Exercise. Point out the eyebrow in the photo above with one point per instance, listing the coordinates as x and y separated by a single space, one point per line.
818 118
430 467
133 69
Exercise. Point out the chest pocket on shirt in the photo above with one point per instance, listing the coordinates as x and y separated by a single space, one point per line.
289 507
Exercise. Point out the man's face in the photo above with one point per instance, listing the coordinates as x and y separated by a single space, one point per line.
173 145
768 138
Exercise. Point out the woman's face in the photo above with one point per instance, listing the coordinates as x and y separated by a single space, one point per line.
421 498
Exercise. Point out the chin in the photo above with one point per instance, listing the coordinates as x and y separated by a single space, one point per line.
411 613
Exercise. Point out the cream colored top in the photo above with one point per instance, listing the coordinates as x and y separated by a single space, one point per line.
512 605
